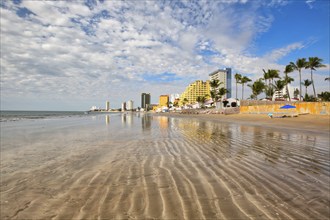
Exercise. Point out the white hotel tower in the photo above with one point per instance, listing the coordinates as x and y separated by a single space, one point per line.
224 77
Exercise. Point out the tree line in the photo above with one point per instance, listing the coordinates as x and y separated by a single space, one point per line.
269 85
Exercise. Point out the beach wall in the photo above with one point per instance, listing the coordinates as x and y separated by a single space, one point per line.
264 107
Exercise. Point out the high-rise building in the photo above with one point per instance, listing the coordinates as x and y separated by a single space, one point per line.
145 100
107 105
163 101
129 105
194 90
123 106
224 77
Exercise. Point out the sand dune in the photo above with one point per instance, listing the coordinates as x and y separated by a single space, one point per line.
188 169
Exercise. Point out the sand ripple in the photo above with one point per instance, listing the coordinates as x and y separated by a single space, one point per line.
180 170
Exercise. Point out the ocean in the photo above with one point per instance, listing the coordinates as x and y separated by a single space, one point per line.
63 165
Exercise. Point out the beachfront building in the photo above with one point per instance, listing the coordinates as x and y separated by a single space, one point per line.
129 105
123 106
107 105
194 90
145 100
283 95
174 98
224 77
163 101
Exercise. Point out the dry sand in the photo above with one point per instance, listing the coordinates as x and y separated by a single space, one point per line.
171 168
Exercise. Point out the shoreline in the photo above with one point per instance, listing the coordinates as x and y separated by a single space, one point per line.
317 124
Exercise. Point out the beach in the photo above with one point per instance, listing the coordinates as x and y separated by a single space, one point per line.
166 166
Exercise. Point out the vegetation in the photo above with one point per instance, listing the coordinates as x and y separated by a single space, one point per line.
214 85
288 79
324 96
306 83
257 87
244 80
238 78
201 100
298 65
313 63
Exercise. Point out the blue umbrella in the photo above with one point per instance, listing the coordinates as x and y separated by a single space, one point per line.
287 106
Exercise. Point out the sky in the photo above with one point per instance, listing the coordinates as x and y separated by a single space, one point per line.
71 55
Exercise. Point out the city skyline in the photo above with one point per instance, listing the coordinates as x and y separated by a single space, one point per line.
58 55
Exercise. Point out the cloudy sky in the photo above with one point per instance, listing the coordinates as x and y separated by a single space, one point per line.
61 55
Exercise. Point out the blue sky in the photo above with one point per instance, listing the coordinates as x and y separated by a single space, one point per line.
60 55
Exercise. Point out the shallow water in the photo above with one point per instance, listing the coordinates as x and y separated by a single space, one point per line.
153 166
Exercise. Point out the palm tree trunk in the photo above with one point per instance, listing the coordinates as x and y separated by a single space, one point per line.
287 92
242 91
306 91
313 83
236 90
299 85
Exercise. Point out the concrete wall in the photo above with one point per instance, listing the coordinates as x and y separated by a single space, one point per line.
315 108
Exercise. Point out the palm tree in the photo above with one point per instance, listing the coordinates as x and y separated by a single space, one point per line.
287 79
244 80
300 63
307 83
279 86
238 78
201 100
222 92
266 76
313 63
214 85
271 74
185 101
257 87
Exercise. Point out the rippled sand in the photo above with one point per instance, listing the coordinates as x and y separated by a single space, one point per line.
145 166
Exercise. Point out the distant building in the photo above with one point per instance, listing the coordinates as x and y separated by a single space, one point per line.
163 101
123 106
107 105
174 98
129 105
194 90
224 77
278 95
145 100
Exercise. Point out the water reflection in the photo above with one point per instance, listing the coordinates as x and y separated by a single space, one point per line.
146 121
107 119
127 119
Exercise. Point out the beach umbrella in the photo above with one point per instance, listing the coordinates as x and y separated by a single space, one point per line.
287 107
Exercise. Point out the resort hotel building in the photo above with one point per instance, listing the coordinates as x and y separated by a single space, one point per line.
129 105
194 90
163 101
224 77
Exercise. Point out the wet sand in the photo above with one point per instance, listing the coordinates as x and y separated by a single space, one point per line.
165 167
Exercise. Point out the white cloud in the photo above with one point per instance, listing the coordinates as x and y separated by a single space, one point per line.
67 50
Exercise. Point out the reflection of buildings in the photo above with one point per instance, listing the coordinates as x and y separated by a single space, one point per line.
146 121
163 122
127 118
107 119
194 90
224 77
129 105
145 100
